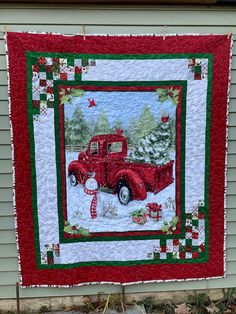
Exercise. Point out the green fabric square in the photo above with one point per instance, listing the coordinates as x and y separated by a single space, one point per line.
156 256
36 111
49 75
188 242
42 68
77 77
194 248
70 62
49 254
162 242
43 97
84 62
50 104
197 69
201 209
195 222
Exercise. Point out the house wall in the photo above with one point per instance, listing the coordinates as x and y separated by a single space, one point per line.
104 20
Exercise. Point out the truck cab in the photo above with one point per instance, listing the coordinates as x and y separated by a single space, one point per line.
110 146
101 151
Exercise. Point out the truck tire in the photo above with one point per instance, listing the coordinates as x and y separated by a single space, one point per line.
124 192
73 180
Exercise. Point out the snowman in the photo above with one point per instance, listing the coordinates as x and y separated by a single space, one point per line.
92 202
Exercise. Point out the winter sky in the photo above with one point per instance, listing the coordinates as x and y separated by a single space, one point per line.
120 106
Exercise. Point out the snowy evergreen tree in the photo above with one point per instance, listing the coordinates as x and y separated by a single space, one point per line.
91 123
118 125
130 133
102 125
76 129
67 131
154 148
145 124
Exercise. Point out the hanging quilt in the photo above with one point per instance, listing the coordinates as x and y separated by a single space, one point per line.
119 147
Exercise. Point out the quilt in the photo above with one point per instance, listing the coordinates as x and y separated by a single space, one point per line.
119 156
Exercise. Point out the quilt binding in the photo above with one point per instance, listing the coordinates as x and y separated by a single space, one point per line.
13 161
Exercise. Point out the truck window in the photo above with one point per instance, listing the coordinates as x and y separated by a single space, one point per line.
114 147
94 148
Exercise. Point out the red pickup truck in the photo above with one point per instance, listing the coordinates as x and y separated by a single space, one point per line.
106 157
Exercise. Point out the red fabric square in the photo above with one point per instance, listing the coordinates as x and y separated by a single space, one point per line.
63 76
42 82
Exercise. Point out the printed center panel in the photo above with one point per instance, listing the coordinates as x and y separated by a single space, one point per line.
120 159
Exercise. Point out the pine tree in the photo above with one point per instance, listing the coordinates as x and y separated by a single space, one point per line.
145 124
118 125
67 131
154 148
76 129
130 133
102 125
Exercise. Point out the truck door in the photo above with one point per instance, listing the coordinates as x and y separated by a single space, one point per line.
114 159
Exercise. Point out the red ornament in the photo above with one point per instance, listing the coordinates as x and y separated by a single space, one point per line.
165 119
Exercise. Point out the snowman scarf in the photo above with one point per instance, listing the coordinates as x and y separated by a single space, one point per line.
93 205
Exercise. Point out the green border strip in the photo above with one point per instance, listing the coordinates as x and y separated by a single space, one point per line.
32 153
32 161
207 152
119 56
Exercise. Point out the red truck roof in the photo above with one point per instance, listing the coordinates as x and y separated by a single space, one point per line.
112 137
104 140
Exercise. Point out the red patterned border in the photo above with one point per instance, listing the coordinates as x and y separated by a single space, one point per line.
18 45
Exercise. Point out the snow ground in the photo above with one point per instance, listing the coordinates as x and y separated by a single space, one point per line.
78 208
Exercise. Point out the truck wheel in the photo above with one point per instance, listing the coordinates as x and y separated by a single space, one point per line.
124 192
73 180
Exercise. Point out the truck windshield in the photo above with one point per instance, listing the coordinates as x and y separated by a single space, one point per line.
94 148
114 147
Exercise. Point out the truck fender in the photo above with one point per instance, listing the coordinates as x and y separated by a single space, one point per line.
135 182
79 170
